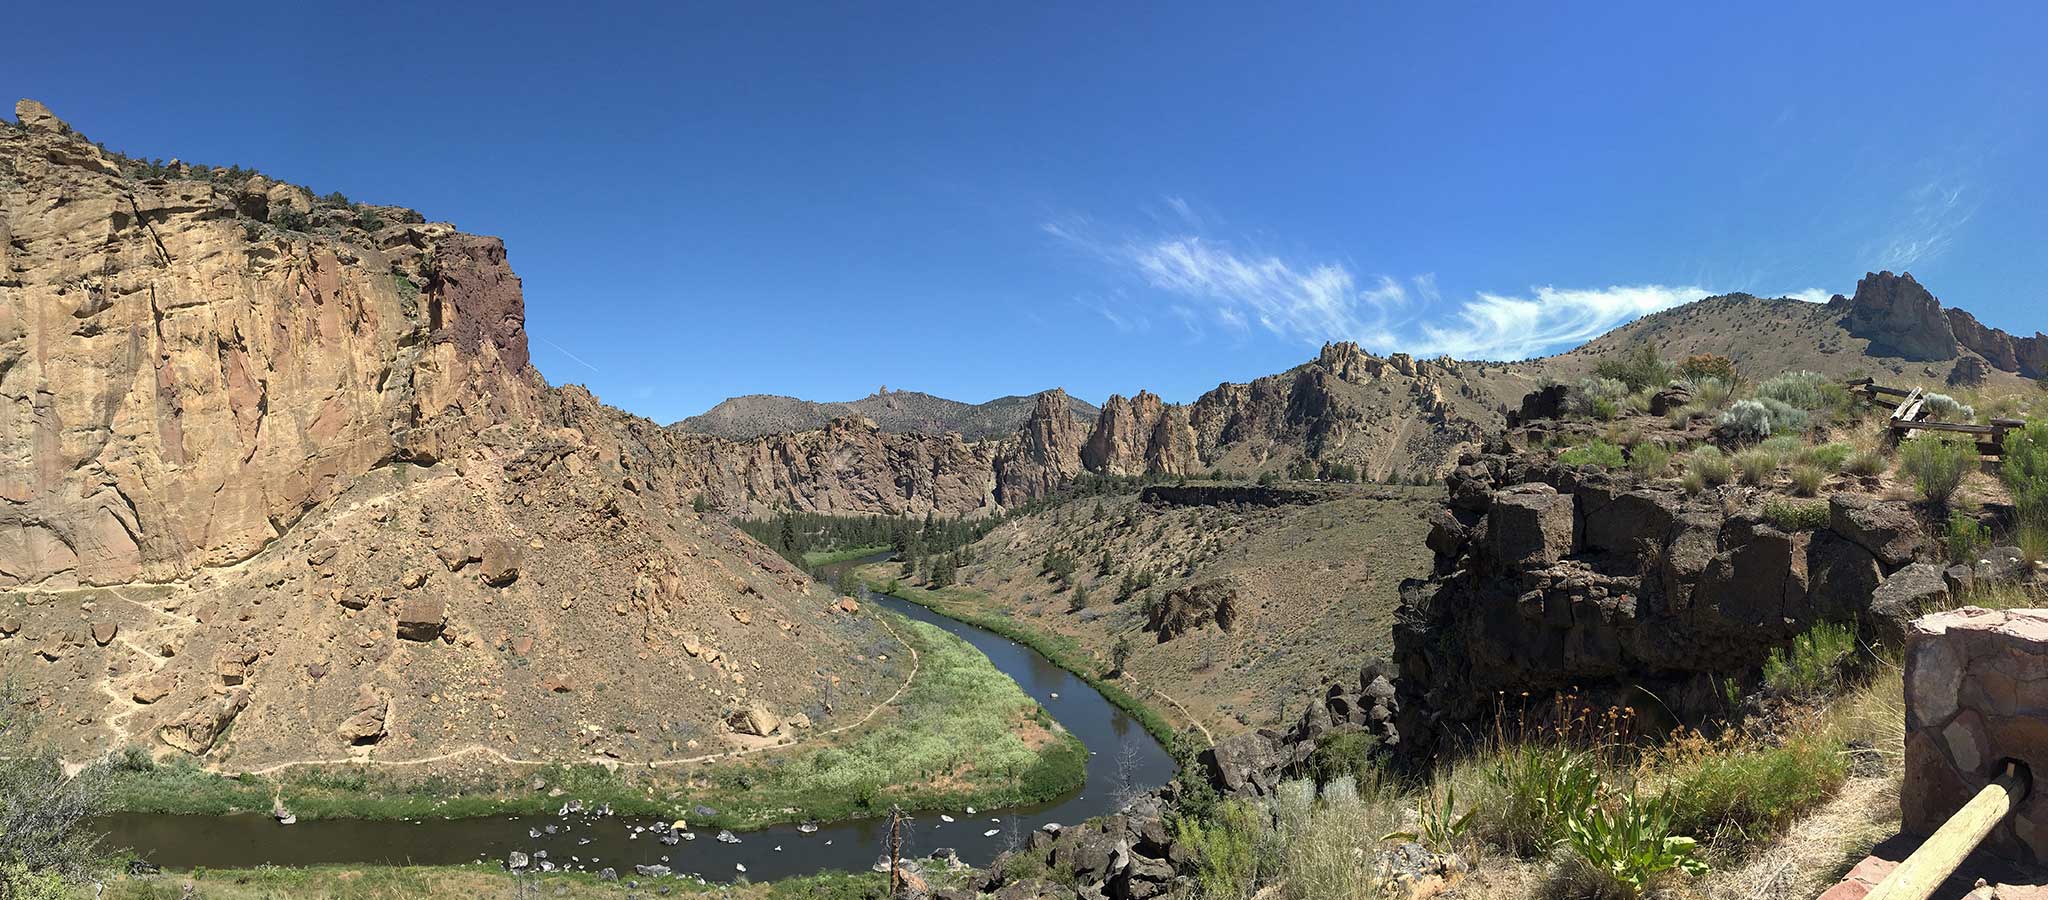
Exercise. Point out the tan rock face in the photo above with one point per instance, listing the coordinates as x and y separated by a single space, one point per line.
249 444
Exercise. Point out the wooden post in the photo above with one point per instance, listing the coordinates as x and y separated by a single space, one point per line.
895 851
1938 858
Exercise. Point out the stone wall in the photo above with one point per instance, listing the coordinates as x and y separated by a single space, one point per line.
1976 696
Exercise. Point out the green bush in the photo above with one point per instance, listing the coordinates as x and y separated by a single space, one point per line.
1800 390
1649 460
1747 420
1965 537
1638 367
1707 365
1347 754
1937 464
2023 466
1633 841
1826 457
1710 465
1598 453
1225 847
1692 481
1787 515
1756 465
1535 789
1812 665
1748 794
1807 479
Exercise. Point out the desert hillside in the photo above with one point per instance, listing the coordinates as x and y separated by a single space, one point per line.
281 485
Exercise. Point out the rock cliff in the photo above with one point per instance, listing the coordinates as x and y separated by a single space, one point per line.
283 465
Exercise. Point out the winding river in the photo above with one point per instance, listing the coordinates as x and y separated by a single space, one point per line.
1122 756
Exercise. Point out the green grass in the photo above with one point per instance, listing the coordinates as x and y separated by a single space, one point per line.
965 604
1813 665
1791 515
951 740
817 558
1598 453
1745 795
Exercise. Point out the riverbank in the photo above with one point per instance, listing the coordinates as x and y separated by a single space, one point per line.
968 605
915 752
465 882
818 558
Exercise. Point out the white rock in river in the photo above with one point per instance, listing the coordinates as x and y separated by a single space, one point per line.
991 832
945 818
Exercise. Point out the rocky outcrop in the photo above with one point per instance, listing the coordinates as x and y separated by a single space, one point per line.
1555 579
1900 318
1189 607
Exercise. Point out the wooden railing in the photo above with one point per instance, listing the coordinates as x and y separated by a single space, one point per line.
1907 418
1937 858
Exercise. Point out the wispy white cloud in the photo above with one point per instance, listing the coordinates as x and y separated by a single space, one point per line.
1933 213
1812 295
1216 282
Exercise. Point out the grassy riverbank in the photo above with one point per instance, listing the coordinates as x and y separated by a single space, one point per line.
818 558
971 606
963 733
450 882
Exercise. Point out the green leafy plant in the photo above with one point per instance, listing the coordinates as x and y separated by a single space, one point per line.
1630 841
1812 665
1537 788
1225 847
1965 537
1439 825
1936 463
2023 467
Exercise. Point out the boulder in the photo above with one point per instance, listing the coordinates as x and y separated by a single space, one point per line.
365 724
153 688
1631 522
195 730
1886 528
1968 372
1908 593
232 664
501 559
756 720
1669 400
422 617
1529 526
103 632
1187 608
1242 763
849 605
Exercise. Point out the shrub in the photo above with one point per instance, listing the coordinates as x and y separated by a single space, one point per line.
1649 460
1347 754
1711 465
1812 665
1807 479
1747 794
1225 847
1590 396
1633 841
1945 408
1965 537
2023 467
1786 515
1756 465
1864 462
1692 481
1785 418
1710 392
288 217
1598 453
1799 390
1747 420
1707 365
1638 367
1936 464
1536 789
1826 457
1783 447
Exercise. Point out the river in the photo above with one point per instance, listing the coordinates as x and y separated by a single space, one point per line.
1122 757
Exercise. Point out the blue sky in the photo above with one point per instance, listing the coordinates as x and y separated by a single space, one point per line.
978 199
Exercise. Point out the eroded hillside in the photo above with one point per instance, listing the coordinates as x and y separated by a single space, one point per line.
282 485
